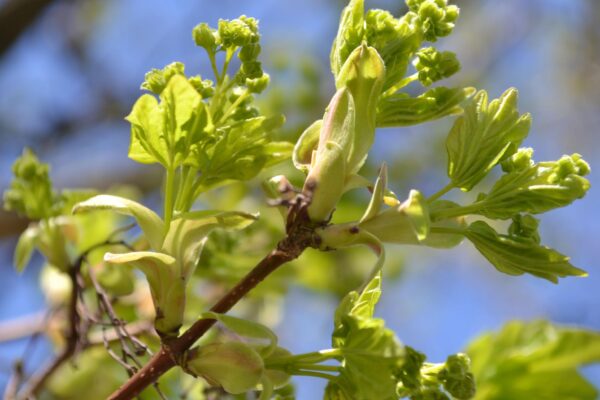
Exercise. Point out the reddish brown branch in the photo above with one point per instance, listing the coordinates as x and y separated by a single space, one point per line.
299 237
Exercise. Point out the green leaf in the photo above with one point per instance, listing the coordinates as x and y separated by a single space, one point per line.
240 151
165 132
148 220
349 35
30 192
515 255
247 328
535 188
483 136
188 232
402 110
372 355
25 246
534 360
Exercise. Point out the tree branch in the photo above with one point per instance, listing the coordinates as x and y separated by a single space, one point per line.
16 16
300 235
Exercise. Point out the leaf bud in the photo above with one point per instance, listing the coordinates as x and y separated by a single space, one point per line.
235 366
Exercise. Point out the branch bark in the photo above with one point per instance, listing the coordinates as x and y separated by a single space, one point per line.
300 235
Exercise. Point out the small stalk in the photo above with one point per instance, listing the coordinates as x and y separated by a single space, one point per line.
441 192
169 196
456 211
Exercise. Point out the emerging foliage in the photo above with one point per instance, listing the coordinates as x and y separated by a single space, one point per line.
209 133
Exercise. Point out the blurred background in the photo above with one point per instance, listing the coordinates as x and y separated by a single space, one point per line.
70 71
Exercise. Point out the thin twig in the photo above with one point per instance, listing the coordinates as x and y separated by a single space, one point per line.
73 336
300 235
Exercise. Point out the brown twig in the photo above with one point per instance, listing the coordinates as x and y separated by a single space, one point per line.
73 336
37 382
300 235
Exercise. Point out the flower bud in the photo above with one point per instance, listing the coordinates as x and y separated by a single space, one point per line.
204 36
257 85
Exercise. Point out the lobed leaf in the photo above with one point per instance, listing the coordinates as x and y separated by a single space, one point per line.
514 255
483 136
535 188
403 110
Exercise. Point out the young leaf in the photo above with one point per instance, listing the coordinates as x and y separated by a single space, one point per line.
372 355
534 360
148 220
349 35
515 255
30 193
483 136
247 328
240 151
187 234
403 110
165 132
535 188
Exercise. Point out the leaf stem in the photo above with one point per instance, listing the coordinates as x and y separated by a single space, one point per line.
441 192
315 374
233 106
213 64
169 194
456 211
